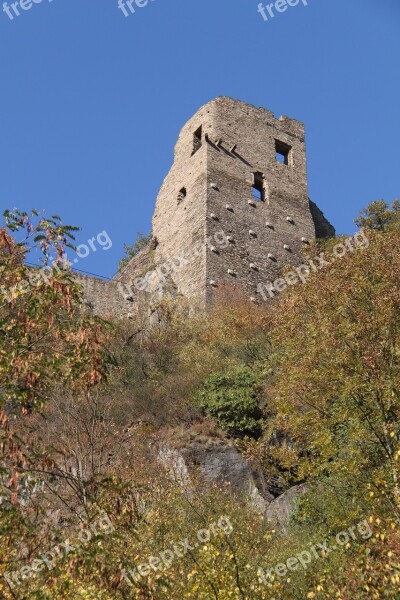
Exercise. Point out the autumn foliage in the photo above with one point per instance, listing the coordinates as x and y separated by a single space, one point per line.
306 386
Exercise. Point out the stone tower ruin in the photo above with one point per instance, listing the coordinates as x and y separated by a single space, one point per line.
234 208
241 173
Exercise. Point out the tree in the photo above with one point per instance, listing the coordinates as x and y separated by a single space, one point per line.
336 392
46 340
380 216
142 240
45 334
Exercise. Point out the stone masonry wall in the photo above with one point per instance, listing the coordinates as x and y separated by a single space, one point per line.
237 141
225 148
264 234
179 223
104 299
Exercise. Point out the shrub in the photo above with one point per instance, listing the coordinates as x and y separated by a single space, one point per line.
231 399
142 240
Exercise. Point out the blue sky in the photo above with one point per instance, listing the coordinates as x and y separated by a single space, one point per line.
91 101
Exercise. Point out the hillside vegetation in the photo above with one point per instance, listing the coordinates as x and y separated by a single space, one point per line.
306 386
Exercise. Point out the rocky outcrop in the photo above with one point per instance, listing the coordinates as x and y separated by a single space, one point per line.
279 511
218 463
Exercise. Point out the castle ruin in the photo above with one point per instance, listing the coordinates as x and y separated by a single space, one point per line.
233 209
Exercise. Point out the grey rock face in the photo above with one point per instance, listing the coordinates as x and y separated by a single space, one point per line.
279 510
218 464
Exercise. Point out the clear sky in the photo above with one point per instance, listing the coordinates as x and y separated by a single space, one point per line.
92 101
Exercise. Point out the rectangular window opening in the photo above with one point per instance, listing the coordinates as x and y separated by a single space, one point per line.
197 139
257 189
282 152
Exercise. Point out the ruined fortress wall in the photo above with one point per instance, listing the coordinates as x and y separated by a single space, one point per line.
134 271
179 221
104 299
243 142
225 150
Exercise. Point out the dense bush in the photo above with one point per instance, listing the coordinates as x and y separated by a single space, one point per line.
232 399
